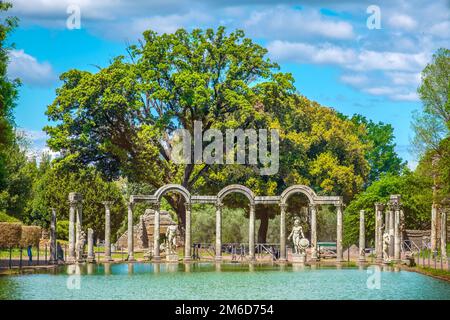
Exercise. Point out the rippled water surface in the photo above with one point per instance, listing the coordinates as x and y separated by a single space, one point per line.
221 281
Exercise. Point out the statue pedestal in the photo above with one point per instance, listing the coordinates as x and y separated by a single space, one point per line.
299 258
172 258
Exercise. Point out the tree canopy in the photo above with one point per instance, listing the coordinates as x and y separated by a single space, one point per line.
122 118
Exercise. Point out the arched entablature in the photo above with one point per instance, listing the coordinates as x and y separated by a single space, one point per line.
307 191
236 188
172 188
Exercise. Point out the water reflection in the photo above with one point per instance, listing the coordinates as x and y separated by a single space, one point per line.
107 268
130 268
298 267
218 267
90 268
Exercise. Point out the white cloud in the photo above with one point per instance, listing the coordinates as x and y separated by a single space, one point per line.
385 60
286 23
29 70
402 21
307 53
354 79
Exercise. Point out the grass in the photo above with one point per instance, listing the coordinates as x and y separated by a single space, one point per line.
434 272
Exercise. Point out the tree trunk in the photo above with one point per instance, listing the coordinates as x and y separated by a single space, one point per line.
263 227
177 203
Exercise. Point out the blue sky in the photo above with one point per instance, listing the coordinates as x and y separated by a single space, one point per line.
335 58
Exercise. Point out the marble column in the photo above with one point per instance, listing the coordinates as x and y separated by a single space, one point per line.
107 205
362 237
386 220
91 255
73 202
53 253
379 231
283 255
156 256
339 227
130 232
219 207
313 210
397 234
187 235
251 233
78 244
444 234
391 229
434 213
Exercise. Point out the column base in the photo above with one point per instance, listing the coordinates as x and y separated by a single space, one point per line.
130 259
90 260
71 260
362 260
339 260
379 260
156 258
282 260
187 259
218 258
251 258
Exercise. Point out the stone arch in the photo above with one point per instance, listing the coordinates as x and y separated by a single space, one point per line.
236 188
307 191
173 187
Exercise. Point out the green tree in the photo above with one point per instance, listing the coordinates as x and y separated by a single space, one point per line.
415 190
21 173
117 117
432 125
8 93
381 155
51 190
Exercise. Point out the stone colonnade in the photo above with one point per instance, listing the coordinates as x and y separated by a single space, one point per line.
393 225
314 202
439 216
75 212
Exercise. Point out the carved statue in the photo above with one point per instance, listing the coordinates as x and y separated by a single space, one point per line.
81 245
297 237
386 242
171 238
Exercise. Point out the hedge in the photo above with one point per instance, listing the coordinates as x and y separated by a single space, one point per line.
10 234
30 236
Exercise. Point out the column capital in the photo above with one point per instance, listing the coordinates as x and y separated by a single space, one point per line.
312 206
188 206
219 205
339 205
379 206
107 204
283 206
251 206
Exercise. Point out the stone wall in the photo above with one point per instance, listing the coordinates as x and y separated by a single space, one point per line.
143 231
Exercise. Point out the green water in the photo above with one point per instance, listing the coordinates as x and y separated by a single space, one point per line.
221 281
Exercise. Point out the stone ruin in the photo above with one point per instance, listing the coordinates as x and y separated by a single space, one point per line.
143 231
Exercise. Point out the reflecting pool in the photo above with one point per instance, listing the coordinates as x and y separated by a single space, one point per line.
198 281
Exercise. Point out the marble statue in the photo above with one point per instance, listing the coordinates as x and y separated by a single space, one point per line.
386 242
171 238
297 235
81 245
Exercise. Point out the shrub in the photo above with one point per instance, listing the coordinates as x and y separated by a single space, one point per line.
10 234
30 236
7 218
62 230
